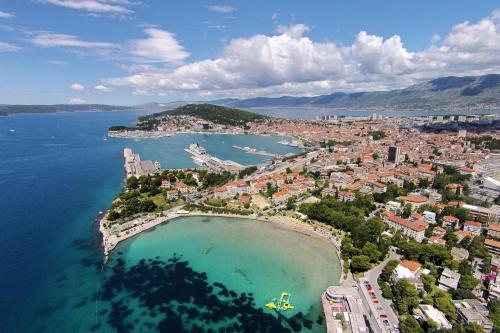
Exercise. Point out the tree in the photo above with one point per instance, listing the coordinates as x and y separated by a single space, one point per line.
410 325
371 250
386 273
442 302
468 282
405 296
360 263
428 281
386 289
132 183
290 203
406 211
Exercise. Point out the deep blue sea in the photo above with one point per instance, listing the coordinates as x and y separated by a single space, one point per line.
56 174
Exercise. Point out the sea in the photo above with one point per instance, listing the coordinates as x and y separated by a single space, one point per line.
59 171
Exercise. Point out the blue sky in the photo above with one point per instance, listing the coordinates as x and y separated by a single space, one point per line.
130 51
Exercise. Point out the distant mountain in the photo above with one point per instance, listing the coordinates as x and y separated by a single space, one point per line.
452 93
209 112
12 109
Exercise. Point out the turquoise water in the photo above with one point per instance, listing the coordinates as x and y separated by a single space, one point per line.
56 174
245 258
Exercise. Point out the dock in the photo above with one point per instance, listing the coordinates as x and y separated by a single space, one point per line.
135 167
254 151
213 164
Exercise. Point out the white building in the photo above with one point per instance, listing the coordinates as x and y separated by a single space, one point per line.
431 313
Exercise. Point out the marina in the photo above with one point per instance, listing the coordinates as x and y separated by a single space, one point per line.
134 167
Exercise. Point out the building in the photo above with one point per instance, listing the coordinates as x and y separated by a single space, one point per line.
473 226
429 217
459 253
394 155
492 246
415 201
448 280
491 184
494 230
410 229
347 196
472 311
407 269
493 291
343 310
431 313
450 221
280 197
482 212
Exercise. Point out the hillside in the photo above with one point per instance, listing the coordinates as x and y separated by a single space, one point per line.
452 93
209 112
13 109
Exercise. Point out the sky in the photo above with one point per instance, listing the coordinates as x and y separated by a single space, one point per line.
128 52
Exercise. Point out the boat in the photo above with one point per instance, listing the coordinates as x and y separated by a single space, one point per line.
12 130
284 142
283 304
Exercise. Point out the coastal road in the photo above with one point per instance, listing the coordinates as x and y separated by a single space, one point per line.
372 276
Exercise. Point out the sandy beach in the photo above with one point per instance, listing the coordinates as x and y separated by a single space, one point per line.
110 241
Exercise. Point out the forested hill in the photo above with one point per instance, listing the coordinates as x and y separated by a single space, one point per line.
209 112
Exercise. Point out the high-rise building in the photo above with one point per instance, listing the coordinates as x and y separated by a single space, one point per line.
394 154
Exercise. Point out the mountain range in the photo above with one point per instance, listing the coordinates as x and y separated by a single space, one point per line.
445 93
469 92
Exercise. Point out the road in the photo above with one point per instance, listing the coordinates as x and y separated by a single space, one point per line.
372 276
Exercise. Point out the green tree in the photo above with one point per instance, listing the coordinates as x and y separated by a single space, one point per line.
386 273
406 211
468 282
371 250
405 296
360 263
428 281
132 183
410 325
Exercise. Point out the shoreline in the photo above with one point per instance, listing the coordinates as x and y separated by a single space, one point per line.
110 241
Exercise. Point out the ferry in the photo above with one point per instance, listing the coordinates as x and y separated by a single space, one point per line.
196 149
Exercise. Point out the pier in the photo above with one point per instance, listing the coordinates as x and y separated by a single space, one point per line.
213 164
134 167
254 151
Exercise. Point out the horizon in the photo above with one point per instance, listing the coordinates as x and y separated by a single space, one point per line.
135 52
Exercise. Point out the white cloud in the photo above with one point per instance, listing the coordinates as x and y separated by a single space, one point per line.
275 16
95 6
101 89
49 39
290 62
8 47
159 46
222 9
6 15
77 87
77 100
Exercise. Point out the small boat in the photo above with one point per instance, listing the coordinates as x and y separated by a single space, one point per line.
12 130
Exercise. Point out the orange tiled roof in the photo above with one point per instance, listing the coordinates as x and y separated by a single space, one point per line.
411 265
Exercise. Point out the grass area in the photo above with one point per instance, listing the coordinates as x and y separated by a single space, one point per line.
260 201
159 200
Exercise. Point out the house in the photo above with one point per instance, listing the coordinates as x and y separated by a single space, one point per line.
258 187
437 241
462 234
450 221
472 311
459 253
244 199
415 201
482 212
347 196
448 280
414 230
182 187
280 197
238 187
393 206
407 269
165 183
439 232
431 313
492 246
429 217
171 194
221 192
328 192
494 230
473 226
493 291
